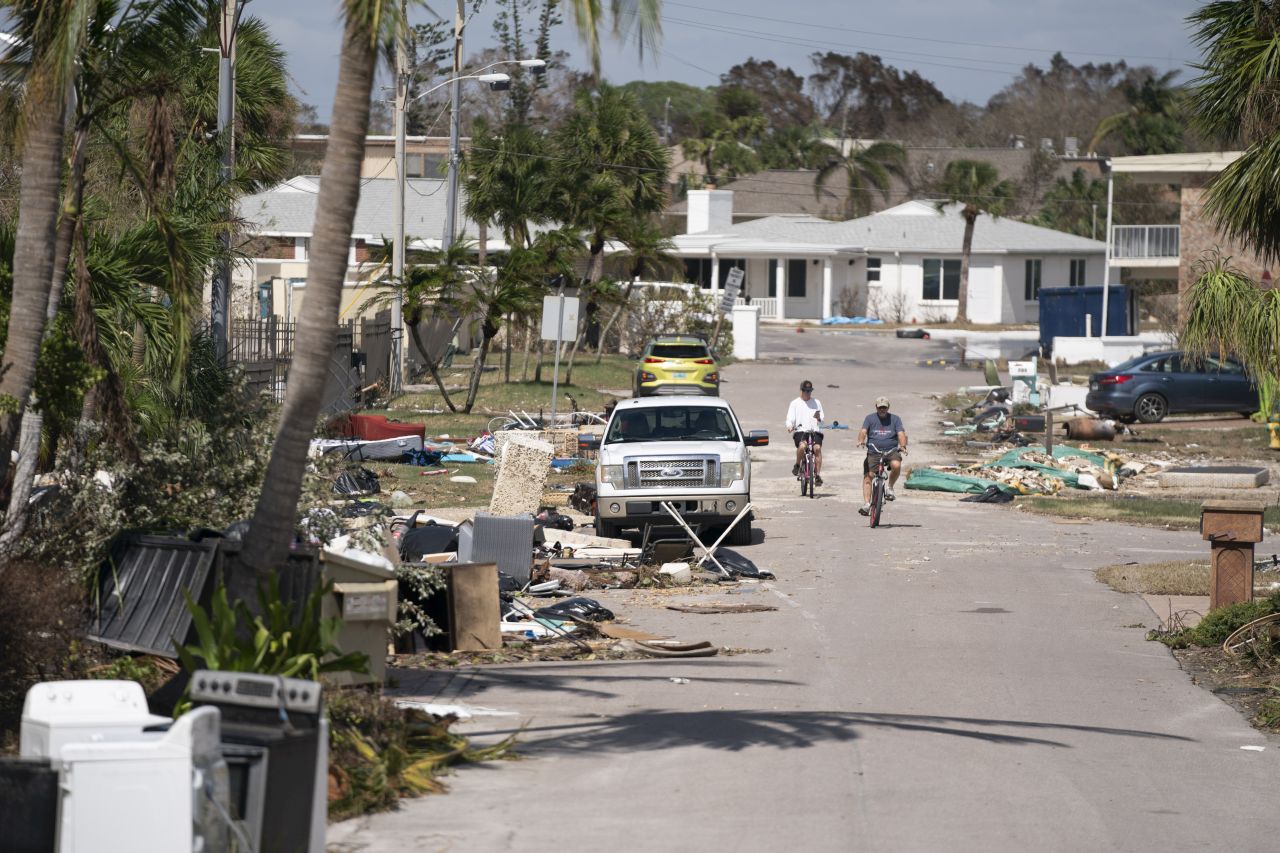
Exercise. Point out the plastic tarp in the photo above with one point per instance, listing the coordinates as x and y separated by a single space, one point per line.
930 480
851 321
1016 459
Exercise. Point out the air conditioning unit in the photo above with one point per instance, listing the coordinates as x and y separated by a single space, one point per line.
1046 144
1071 146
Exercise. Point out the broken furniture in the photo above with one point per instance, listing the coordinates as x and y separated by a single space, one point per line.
474 606
1233 527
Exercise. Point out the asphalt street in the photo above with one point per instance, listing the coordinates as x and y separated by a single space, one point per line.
954 680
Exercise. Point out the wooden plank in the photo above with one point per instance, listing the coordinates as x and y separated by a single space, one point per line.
474 608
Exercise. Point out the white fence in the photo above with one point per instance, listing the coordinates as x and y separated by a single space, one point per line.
1145 241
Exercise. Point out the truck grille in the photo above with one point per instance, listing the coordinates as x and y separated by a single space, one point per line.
689 472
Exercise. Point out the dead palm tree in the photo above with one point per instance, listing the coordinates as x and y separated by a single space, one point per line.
976 186
369 27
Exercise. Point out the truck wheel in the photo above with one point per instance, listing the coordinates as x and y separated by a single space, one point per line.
740 535
607 529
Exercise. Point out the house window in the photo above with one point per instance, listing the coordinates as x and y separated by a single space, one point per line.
773 277
796 268
1077 272
941 279
698 271
873 270
1031 283
727 264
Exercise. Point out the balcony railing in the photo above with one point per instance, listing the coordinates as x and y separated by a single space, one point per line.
1145 241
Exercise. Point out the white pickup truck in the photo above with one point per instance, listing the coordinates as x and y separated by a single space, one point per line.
690 451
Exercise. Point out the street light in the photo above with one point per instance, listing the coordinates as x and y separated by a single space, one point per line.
397 251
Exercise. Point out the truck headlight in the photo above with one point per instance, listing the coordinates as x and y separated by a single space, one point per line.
730 471
613 475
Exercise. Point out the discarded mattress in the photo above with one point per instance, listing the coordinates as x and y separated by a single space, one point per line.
376 428
387 448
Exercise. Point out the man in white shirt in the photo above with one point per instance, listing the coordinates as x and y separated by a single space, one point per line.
804 417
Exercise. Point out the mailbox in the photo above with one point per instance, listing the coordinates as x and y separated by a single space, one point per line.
365 598
1232 528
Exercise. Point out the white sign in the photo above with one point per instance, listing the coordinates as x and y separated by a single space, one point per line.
552 306
732 288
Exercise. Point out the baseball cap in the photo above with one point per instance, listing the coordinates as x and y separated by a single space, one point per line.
806 385
882 401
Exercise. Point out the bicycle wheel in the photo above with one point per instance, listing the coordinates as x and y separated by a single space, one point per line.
804 478
812 476
877 500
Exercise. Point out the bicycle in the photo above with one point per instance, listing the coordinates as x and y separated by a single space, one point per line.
879 483
808 469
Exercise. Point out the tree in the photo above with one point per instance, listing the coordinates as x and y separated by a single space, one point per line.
643 17
1073 205
648 253
509 180
52 33
861 96
978 187
1151 124
724 150
779 92
368 27
1235 102
866 169
677 110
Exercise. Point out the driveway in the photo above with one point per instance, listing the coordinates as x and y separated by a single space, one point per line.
955 679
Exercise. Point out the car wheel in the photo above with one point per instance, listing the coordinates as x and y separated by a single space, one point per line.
1126 419
1151 408
740 535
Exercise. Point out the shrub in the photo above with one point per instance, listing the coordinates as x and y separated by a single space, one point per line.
1218 624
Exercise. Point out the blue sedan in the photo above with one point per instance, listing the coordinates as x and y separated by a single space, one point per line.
1151 386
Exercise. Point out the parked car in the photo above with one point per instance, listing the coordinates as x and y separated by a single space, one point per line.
690 451
677 365
1151 386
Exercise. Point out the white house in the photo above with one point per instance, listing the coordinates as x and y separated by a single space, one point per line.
899 264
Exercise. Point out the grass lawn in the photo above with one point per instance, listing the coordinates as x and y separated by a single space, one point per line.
1155 512
437 490
1246 441
1175 577
590 382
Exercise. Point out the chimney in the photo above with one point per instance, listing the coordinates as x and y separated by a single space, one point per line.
710 211
1046 144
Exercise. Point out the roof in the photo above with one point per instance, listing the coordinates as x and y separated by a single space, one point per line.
779 191
1170 168
916 226
289 210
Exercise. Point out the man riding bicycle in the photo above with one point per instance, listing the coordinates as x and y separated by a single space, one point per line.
881 433
804 418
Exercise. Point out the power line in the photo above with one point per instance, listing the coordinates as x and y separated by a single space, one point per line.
829 27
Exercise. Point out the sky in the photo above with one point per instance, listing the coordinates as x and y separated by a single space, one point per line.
970 50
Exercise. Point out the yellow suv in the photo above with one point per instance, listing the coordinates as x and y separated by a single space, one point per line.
677 365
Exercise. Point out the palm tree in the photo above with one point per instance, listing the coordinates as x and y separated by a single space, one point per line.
368 27
612 167
52 33
513 290
645 16
648 253
509 180
978 187
1226 312
866 170
1072 205
1234 102
724 150
1150 125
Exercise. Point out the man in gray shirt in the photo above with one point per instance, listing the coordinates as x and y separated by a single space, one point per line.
881 433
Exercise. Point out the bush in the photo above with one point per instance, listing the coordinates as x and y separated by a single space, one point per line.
1219 624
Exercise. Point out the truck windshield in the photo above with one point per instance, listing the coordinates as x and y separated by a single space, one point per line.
673 423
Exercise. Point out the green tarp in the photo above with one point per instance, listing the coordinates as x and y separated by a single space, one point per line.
929 480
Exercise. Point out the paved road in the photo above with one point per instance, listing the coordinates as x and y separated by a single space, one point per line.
954 680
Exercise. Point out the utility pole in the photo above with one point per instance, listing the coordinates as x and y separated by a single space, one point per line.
455 95
1106 266
220 289
398 250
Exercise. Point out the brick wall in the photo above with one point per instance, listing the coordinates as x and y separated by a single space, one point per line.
1200 236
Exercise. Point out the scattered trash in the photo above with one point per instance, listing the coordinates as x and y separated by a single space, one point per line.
721 608
430 538
851 321
549 517
421 457
993 495
678 572
913 333
433 472
583 498
677 680
357 481
1090 429
576 610
670 649
739 566
462 478
461 712
1253 748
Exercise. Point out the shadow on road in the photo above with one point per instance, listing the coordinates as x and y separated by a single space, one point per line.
596 680
738 730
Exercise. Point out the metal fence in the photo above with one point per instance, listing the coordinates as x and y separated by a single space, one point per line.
361 360
1145 241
